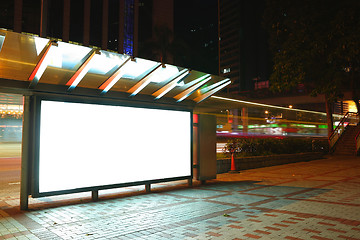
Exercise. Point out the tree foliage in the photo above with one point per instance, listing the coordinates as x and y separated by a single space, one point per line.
163 46
271 146
315 43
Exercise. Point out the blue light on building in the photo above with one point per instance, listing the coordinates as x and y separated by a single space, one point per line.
129 28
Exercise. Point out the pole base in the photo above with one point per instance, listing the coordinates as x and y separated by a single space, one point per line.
233 171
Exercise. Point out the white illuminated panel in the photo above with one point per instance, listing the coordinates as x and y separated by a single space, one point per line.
85 145
40 44
134 69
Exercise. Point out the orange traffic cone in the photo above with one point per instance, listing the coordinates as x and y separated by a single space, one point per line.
233 167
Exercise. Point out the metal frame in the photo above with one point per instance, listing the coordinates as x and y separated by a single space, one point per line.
113 79
143 82
82 70
74 70
198 83
40 66
210 90
173 82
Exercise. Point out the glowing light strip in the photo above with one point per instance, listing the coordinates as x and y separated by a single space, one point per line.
114 78
206 89
270 106
190 90
41 65
189 84
165 89
209 93
80 73
142 83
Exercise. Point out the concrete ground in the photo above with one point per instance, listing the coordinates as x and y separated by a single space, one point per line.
307 200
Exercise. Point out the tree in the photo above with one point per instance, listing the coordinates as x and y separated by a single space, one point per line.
163 47
315 43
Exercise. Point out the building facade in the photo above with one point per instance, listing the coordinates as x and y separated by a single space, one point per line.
107 24
243 51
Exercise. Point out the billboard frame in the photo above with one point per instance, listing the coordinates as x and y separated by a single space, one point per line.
31 145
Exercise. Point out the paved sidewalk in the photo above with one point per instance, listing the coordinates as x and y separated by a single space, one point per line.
307 200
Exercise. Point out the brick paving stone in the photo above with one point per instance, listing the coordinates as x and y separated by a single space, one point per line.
336 230
273 229
262 232
280 225
235 226
254 220
189 234
291 222
214 234
311 230
271 215
297 219
320 238
252 236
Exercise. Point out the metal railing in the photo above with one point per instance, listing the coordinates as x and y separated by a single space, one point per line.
350 118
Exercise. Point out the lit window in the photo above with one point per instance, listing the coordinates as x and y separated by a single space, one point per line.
226 70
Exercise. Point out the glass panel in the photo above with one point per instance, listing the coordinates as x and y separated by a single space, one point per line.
11 112
162 74
135 69
105 62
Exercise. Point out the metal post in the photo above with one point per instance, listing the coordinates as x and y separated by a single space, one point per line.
95 195
105 25
43 18
136 27
190 182
18 6
25 155
121 26
148 188
86 33
66 21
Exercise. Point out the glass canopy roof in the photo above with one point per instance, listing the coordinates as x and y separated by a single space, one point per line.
38 60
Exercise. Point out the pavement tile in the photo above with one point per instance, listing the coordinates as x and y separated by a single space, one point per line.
307 200
252 236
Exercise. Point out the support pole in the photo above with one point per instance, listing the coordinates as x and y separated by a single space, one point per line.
18 5
95 195
44 18
190 182
86 32
26 155
148 188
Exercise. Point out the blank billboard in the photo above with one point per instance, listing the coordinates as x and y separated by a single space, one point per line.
87 145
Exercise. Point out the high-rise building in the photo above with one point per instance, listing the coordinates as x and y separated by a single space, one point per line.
196 27
156 29
243 51
108 24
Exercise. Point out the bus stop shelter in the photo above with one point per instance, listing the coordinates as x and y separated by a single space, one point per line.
96 119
